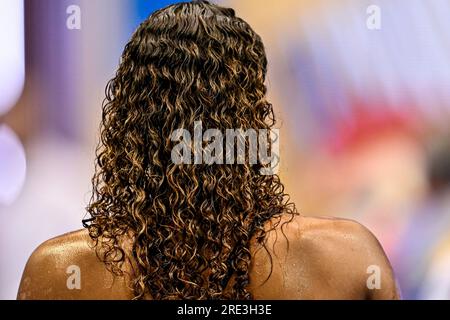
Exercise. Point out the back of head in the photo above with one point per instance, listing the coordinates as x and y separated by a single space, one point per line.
189 63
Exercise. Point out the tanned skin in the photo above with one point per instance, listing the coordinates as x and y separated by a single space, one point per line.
326 258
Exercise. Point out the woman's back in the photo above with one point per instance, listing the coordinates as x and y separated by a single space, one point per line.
326 259
176 215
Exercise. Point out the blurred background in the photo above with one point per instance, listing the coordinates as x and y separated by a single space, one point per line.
361 89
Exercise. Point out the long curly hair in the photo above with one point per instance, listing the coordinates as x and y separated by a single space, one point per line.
191 223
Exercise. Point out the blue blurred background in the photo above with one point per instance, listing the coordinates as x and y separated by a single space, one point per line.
363 111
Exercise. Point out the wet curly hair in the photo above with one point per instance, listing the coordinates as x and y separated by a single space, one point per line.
191 223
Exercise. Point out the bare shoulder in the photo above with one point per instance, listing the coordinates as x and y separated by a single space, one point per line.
334 258
67 267
326 258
